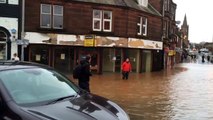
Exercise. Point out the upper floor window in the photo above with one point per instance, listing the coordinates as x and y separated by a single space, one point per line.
143 2
11 2
165 28
142 26
166 5
51 16
173 12
57 16
3 1
102 20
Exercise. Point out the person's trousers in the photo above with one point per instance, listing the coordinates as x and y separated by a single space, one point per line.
125 75
84 85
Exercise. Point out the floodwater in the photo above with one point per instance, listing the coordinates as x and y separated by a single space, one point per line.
182 93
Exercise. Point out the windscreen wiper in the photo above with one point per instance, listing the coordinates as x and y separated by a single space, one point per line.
60 99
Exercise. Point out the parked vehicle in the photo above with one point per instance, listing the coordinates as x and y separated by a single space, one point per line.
30 91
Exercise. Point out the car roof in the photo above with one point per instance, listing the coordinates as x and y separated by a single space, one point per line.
11 64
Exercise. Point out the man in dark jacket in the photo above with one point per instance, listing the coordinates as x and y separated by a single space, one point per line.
84 78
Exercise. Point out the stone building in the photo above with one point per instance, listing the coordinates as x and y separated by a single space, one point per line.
62 32
10 27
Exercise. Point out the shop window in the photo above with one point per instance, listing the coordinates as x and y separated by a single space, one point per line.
3 51
3 45
142 26
40 54
51 16
102 20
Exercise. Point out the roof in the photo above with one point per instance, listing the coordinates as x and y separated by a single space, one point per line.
135 5
185 21
125 3
108 2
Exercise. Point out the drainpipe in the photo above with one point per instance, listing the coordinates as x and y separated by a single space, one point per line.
22 31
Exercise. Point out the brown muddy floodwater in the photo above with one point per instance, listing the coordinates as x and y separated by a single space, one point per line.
182 93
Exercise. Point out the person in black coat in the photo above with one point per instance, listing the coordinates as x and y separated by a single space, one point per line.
208 58
203 58
84 78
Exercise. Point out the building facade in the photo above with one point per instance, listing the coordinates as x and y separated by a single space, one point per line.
10 27
62 32
170 33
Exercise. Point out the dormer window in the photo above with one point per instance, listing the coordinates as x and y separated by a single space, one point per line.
143 3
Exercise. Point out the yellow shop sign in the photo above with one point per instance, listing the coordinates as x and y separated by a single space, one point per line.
89 41
171 53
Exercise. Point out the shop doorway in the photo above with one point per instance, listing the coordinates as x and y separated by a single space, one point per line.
118 59
3 45
63 59
133 55
146 61
108 59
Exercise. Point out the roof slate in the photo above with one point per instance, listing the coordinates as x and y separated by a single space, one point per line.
108 2
125 3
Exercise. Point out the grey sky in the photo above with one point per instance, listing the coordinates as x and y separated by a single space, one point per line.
199 18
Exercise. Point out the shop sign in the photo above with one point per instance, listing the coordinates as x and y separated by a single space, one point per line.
172 53
13 2
89 41
146 44
22 42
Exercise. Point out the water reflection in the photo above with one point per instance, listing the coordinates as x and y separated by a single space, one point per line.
184 93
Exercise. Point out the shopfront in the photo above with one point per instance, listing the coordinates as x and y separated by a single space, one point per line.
64 52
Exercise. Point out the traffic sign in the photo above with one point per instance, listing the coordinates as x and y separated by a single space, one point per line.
22 42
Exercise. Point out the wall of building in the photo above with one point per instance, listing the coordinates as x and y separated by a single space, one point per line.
78 19
10 22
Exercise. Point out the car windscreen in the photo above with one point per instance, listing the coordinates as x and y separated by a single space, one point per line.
36 85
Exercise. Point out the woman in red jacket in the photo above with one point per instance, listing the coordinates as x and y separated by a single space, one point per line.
126 68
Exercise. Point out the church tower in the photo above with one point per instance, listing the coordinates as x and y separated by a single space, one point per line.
185 32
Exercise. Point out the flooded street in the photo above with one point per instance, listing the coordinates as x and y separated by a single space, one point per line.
182 93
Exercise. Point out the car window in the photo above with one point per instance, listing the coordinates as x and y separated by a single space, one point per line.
36 85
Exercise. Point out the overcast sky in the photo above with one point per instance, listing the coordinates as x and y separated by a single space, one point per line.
199 17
